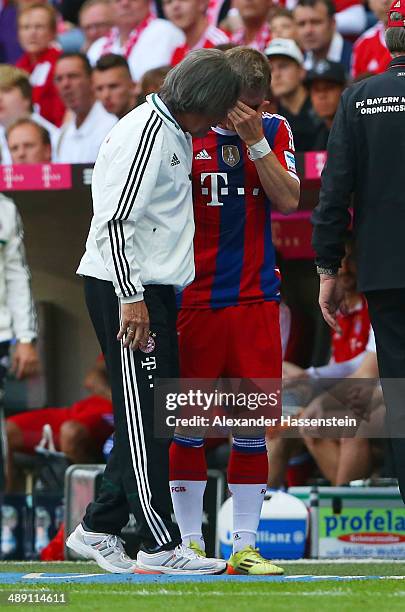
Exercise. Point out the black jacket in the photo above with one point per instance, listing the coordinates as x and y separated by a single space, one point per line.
366 158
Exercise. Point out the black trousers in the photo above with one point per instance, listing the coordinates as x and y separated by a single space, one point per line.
387 314
4 352
136 477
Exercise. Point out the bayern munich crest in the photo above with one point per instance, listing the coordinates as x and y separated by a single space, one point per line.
150 347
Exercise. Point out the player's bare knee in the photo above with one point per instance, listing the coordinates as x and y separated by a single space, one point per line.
72 435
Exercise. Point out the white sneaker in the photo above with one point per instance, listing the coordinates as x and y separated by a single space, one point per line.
107 550
181 560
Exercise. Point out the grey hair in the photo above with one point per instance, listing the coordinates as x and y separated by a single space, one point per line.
204 83
395 37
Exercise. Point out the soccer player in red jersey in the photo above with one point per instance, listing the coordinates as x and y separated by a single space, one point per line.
229 316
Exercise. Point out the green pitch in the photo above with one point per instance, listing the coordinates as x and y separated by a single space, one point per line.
218 596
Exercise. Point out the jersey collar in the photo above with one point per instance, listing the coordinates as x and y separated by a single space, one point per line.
161 109
397 62
223 131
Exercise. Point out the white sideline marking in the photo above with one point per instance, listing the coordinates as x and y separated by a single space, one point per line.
36 575
43 576
59 563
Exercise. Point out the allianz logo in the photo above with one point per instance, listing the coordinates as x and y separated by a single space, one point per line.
269 537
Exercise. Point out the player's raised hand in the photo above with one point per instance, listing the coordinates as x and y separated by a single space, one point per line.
134 325
248 122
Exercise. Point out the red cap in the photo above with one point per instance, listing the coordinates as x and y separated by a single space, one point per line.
398 6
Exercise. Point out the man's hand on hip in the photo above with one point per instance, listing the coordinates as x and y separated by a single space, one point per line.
330 299
134 325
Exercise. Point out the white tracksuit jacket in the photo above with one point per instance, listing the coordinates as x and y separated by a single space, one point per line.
17 311
142 229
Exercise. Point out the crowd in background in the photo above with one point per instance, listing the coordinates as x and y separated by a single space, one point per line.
70 70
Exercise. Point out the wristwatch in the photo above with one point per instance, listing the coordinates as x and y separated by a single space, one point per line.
327 271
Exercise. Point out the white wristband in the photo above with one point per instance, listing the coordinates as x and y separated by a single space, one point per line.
259 150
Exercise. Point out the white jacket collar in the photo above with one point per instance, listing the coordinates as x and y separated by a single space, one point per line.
161 109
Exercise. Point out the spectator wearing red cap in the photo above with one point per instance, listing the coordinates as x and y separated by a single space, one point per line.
37 31
364 171
370 53
191 17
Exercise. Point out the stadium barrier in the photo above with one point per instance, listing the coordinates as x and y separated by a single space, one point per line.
354 522
326 523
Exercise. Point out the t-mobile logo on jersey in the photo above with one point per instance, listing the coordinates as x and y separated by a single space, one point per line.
215 176
219 186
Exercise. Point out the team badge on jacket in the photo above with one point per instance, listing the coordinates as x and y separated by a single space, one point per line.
230 155
150 346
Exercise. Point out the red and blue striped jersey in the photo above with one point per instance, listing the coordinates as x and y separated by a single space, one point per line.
234 253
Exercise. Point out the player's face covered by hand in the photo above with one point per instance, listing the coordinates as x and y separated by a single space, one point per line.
254 101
